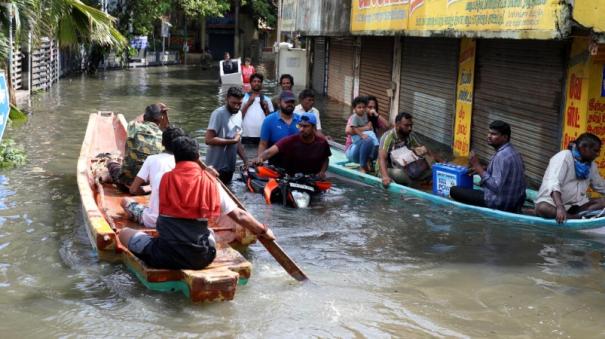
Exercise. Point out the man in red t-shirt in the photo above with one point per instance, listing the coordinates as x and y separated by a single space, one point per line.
305 152
189 196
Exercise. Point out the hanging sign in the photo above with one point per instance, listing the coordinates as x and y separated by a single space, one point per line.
464 97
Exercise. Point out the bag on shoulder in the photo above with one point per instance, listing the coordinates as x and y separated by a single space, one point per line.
411 163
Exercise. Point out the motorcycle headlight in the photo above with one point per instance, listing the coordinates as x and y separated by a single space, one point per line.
301 199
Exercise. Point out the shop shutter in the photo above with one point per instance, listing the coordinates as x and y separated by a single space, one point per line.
340 71
376 69
319 65
429 72
520 82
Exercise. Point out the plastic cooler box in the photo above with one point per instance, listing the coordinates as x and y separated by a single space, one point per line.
448 175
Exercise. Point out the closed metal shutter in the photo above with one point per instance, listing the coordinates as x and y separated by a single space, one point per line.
340 71
429 72
520 82
319 65
376 70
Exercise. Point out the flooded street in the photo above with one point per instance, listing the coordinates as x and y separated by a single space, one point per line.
382 264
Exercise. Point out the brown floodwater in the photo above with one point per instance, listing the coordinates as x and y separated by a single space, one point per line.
383 265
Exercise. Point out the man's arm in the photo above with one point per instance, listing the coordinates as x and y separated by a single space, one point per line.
212 139
493 181
384 172
324 168
245 219
262 146
249 102
561 212
268 154
136 188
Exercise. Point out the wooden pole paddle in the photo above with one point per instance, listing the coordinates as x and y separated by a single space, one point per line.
271 245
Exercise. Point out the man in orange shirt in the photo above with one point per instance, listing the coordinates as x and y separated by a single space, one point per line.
189 196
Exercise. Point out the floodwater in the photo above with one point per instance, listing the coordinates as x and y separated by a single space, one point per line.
382 265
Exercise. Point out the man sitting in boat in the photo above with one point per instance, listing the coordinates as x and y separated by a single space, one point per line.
189 196
151 172
305 152
278 125
401 157
144 139
503 182
563 193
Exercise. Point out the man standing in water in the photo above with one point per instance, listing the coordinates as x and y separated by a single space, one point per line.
279 125
223 136
256 107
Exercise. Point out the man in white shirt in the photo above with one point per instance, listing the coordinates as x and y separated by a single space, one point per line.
256 107
151 172
563 193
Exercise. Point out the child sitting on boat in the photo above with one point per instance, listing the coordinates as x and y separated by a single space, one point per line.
364 143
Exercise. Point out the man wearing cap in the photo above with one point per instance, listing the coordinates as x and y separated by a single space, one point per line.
144 139
305 152
279 125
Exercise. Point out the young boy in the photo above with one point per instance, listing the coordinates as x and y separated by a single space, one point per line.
359 121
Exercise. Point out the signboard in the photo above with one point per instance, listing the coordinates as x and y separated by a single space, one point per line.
603 82
535 18
484 15
574 116
464 97
379 15
4 104
288 15
589 13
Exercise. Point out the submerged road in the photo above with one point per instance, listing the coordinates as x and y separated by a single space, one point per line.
383 265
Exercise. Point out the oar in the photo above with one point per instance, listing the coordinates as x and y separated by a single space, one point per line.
271 245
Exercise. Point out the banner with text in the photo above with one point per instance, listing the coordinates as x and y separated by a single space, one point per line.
536 18
288 15
464 97
379 15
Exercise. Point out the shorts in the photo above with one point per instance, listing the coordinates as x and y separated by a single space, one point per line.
138 242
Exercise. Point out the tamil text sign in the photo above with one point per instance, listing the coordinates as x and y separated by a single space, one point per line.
464 98
421 17
379 15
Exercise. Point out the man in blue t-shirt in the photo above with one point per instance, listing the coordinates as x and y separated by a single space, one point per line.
280 124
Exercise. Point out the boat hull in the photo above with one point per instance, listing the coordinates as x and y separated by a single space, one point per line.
338 162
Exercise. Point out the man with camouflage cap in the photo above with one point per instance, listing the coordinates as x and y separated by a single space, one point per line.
144 139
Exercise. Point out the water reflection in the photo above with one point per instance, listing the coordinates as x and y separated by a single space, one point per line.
382 264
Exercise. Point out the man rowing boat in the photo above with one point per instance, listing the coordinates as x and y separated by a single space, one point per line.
189 196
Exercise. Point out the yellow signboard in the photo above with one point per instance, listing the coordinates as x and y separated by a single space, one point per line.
379 15
574 116
464 99
585 97
589 13
483 15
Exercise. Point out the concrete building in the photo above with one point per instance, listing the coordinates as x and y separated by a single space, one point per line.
457 65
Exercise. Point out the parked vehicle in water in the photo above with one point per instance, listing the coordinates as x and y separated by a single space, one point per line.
277 186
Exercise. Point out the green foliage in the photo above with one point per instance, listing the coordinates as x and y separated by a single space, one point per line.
265 10
11 155
16 114
195 8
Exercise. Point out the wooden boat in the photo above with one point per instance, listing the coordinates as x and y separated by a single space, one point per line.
104 217
340 165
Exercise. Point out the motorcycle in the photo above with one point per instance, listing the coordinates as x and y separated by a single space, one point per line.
277 186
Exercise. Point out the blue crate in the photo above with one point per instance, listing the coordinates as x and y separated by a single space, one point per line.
448 175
